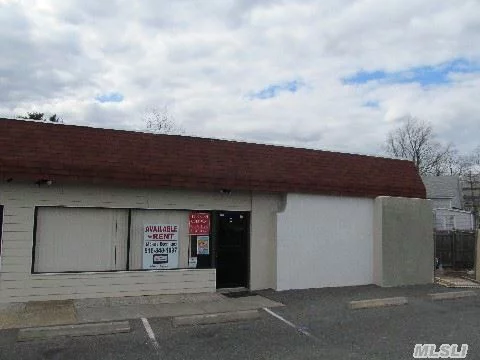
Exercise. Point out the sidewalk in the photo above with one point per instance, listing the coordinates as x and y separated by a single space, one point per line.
456 279
73 312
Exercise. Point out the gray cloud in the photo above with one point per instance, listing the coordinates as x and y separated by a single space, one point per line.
202 59
37 65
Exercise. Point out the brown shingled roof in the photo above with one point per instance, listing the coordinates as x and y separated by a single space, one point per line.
65 153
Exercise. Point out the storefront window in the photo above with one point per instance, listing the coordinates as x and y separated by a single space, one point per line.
91 239
80 239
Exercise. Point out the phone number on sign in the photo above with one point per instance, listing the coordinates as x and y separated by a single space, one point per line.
169 250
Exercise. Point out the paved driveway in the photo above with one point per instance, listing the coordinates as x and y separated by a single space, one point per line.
314 324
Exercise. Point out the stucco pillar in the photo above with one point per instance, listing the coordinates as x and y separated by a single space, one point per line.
403 248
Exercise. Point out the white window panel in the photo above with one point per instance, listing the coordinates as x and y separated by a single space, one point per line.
80 239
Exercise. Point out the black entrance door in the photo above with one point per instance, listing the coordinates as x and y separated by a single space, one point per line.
232 258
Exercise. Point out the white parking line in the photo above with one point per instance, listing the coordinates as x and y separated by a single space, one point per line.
150 333
298 328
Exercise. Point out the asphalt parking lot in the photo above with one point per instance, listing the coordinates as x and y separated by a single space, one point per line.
313 324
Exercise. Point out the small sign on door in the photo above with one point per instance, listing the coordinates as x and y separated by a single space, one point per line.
203 245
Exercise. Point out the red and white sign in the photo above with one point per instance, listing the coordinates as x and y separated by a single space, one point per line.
199 223
160 246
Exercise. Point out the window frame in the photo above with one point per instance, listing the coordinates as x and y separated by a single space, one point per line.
128 244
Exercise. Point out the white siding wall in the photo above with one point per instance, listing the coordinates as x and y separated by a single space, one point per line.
324 241
451 219
18 284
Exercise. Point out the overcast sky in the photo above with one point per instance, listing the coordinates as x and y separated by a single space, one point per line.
329 74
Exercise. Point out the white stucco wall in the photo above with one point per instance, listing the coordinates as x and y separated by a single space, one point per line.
324 241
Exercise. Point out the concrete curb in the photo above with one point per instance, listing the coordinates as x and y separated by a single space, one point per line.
374 303
451 295
45 332
215 318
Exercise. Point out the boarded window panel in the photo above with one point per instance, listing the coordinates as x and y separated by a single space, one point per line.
80 239
143 217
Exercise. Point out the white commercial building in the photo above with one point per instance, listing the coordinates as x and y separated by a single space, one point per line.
102 213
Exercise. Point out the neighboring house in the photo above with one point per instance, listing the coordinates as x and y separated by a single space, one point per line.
445 193
471 192
92 213
453 219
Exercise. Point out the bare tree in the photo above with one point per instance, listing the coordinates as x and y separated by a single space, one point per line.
458 164
415 141
475 156
160 121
